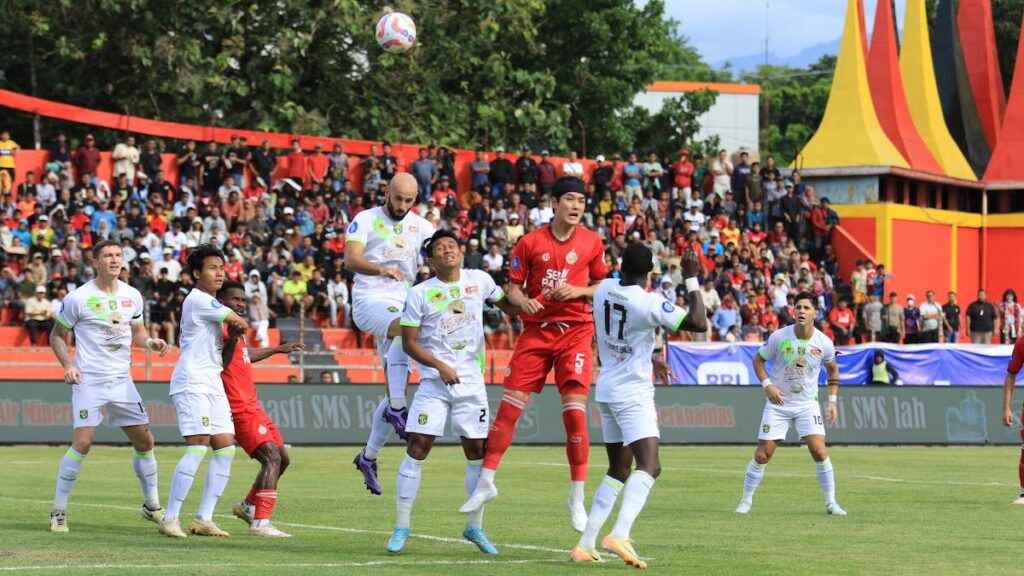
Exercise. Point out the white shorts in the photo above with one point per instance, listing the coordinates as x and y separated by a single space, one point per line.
203 414
776 421
117 394
627 422
375 315
467 403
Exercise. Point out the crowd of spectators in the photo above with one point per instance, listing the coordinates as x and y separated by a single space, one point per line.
280 218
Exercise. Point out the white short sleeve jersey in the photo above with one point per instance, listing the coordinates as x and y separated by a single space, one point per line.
102 326
451 322
796 363
388 243
625 318
202 339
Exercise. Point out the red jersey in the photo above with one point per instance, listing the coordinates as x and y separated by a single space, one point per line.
842 318
1017 360
542 263
237 378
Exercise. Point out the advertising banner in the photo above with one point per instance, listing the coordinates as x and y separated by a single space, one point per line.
40 412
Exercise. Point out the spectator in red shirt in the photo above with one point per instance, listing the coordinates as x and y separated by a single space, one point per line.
319 211
317 164
87 158
296 163
842 319
231 209
682 179
820 227
546 173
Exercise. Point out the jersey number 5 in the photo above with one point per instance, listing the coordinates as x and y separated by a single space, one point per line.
608 318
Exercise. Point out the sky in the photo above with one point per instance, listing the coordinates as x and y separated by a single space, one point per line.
724 29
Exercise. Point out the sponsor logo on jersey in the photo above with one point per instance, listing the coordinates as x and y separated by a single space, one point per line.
83 414
723 373
422 418
515 262
554 279
571 257
127 303
353 227
545 257
815 351
413 229
667 307
399 242
457 307
472 289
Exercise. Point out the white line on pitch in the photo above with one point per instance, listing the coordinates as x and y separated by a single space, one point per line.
263 565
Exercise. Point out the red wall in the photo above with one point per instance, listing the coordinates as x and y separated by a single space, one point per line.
1004 262
863 231
968 270
921 259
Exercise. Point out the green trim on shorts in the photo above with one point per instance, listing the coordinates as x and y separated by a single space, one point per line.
408 324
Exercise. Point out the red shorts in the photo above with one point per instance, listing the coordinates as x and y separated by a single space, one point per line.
253 429
569 350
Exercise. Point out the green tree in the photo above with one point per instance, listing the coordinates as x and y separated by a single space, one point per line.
1006 16
675 125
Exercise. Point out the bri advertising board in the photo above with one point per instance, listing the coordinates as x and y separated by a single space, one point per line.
40 412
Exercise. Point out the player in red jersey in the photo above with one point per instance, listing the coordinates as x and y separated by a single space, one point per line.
1016 363
559 265
255 432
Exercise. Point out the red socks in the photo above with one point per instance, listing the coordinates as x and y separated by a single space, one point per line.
263 501
577 440
502 430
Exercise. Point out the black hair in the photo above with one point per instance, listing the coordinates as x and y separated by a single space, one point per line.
200 254
807 295
229 285
637 260
428 244
104 244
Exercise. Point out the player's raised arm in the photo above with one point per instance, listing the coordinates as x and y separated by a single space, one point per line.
697 318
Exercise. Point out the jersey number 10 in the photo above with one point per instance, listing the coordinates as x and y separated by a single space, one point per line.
608 318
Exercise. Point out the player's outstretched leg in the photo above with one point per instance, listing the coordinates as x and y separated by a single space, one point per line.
826 474
366 461
634 497
218 472
181 483
500 438
259 503
67 473
755 472
577 451
145 467
406 488
397 413
620 459
474 530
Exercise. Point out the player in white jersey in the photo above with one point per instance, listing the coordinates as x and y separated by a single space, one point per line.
797 353
442 329
204 416
626 317
106 316
382 249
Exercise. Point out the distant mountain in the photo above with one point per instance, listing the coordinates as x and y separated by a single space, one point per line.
802 59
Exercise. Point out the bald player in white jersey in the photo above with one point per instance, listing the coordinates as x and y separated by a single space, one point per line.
382 249
797 353
106 317
626 317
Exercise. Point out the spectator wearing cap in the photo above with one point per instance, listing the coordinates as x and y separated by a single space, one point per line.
86 159
682 176
602 178
57 265
542 213
546 174
43 228
473 259
169 263
317 164
653 172
526 171
515 229
726 317
175 239
572 166
501 173
38 315
126 157
911 322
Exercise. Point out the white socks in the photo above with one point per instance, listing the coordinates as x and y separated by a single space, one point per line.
634 496
600 508
184 475
576 492
486 476
217 475
144 465
827 479
473 470
380 431
405 491
67 473
397 373
755 472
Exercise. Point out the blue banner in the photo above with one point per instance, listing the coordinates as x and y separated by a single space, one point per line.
917 365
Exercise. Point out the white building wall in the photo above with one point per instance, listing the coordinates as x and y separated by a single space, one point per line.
735 118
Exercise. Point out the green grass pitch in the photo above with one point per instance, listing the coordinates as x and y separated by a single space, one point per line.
913 510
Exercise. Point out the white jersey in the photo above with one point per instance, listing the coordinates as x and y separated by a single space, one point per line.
202 339
451 321
625 318
796 363
102 326
388 243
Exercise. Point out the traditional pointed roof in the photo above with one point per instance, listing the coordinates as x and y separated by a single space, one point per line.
918 73
978 40
849 133
1005 164
889 97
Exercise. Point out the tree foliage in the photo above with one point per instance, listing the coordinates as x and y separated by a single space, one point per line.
483 72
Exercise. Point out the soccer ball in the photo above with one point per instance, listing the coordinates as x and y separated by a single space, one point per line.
396 32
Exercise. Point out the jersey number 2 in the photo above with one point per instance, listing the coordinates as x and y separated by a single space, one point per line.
608 318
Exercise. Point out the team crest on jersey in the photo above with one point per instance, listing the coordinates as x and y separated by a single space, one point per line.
353 227
112 304
454 292
472 289
397 228
215 304
262 429
801 350
545 257
83 414
399 242
766 428
515 262
206 421
392 309
457 307
571 257
667 307
422 418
